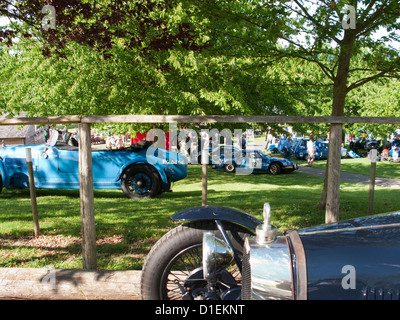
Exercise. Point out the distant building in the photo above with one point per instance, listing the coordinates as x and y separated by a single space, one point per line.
12 135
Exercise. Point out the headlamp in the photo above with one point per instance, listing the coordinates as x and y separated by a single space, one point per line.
217 255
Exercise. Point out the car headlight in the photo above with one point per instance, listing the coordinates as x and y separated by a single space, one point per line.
217 255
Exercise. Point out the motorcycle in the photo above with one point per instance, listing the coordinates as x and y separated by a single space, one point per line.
201 259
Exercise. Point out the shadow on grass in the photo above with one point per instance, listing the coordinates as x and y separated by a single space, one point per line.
126 229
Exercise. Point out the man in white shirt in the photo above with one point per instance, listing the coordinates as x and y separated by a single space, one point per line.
310 151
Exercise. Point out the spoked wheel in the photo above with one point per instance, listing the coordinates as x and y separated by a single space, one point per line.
178 270
173 268
140 181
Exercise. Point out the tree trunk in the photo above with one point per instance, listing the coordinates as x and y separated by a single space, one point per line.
333 168
332 174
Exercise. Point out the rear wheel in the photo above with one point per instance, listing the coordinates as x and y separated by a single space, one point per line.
140 181
230 167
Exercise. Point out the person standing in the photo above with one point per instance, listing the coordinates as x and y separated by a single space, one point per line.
287 148
269 139
310 151
109 142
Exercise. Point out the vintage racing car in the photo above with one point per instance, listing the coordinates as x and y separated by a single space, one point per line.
249 160
140 173
224 254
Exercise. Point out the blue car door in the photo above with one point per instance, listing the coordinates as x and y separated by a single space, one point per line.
48 168
68 167
106 167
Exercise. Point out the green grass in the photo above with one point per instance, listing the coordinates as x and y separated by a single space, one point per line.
384 169
126 229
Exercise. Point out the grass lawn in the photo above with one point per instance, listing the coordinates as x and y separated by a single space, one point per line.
126 229
384 169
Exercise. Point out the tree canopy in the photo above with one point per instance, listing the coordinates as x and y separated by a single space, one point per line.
203 57
188 57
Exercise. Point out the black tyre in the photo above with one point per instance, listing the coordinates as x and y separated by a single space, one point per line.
275 168
1 182
230 167
140 181
177 254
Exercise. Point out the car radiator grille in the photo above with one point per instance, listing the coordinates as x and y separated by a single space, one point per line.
246 276
381 294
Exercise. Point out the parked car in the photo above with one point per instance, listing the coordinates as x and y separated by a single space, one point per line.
258 161
277 147
139 172
231 158
226 254
364 143
217 155
299 149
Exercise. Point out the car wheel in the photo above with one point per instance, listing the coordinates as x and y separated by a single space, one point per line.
177 254
275 168
140 181
230 167
1 182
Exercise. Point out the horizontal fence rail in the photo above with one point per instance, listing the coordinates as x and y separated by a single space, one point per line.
193 119
85 160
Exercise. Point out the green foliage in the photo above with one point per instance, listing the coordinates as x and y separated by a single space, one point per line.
195 58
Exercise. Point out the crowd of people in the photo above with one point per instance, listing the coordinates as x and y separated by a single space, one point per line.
116 141
387 150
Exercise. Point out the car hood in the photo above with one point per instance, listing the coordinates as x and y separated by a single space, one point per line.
11 150
392 218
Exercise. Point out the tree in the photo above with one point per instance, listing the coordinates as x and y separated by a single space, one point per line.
316 34
331 34
137 57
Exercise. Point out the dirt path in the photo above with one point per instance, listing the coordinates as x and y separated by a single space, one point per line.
355 178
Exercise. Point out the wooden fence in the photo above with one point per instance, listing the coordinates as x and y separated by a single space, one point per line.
89 119
85 159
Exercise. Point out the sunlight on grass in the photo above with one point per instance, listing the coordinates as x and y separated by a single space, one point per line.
126 229
384 169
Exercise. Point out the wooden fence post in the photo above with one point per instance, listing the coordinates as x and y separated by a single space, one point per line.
32 189
204 185
373 155
87 198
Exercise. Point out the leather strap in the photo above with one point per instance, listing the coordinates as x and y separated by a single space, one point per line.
301 264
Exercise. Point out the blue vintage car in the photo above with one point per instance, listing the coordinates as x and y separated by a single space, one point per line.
233 159
142 173
299 149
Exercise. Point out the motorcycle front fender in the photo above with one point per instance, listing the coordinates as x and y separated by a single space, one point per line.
218 213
